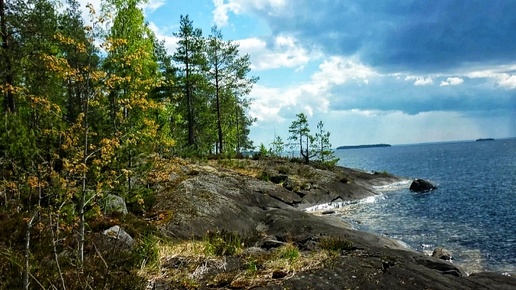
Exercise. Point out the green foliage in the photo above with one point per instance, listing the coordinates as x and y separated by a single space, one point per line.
87 108
146 251
300 135
223 243
288 252
310 146
263 151
324 150
252 267
277 147
265 176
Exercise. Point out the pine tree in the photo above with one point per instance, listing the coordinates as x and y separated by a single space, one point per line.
324 150
191 62
229 82
300 133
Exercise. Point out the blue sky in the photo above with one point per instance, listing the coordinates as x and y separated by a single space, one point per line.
373 71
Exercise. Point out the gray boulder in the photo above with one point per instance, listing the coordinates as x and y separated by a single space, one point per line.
114 204
117 233
442 253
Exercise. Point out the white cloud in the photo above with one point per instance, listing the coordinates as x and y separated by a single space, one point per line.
453 81
337 70
223 8
501 75
220 13
153 5
310 97
170 41
283 52
423 81
507 81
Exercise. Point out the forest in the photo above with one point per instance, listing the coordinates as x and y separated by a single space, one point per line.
96 107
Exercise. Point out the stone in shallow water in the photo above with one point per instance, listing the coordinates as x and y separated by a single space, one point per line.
420 185
442 253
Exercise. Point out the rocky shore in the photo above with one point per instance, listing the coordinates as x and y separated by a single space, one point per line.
260 204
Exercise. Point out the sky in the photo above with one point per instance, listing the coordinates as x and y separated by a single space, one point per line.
390 71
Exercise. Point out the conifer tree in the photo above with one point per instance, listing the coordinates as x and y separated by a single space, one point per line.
229 82
324 150
191 62
300 133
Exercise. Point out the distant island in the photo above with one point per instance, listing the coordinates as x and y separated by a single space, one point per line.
363 146
485 139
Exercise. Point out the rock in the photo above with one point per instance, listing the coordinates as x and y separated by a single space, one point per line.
420 185
271 244
117 233
211 201
290 183
114 204
278 274
279 178
442 253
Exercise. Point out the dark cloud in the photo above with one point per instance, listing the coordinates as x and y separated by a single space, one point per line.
422 36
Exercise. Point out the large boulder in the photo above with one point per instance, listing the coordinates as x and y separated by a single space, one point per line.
117 233
442 253
114 204
420 185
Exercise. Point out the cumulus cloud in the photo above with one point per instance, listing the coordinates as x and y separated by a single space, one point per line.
153 5
502 75
282 52
337 70
454 81
312 96
224 7
508 81
420 81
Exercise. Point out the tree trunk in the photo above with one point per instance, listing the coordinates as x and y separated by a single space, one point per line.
219 122
9 103
82 201
26 254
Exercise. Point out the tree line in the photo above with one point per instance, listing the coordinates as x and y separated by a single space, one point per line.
92 107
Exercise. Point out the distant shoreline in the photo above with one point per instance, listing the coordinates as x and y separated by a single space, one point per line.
363 146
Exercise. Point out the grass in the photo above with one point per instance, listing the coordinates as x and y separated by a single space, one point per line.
223 243
194 263
335 244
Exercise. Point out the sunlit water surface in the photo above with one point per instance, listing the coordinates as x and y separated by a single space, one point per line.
472 213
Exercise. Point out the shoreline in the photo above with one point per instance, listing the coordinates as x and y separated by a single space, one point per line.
278 202
341 210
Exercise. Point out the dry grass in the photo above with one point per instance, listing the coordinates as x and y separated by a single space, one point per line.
187 264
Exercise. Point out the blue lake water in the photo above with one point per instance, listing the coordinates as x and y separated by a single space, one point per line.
472 213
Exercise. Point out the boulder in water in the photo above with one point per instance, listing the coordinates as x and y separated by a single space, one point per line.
442 253
420 185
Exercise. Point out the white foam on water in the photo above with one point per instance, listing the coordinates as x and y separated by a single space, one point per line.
367 200
393 186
